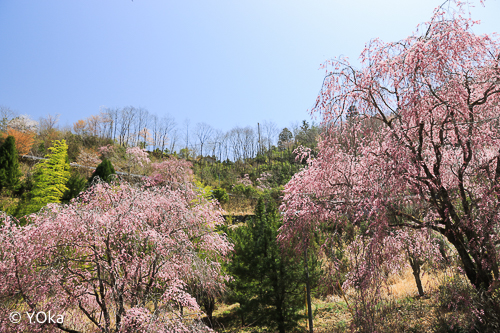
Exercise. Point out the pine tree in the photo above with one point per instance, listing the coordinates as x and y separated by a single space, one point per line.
268 284
9 164
103 171
51 177
76 184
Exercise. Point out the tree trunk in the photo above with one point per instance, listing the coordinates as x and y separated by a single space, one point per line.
477 275
415 265
308 293
281 318
209 307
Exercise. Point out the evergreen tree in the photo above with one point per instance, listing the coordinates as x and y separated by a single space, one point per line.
9 164
268 284
76 184
51 177
103 171
285 139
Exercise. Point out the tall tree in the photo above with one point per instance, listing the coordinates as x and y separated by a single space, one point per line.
126 120
141 122
9 165
268 284
270 130
51 177
285 139
204 133
423 150
6 116
76 184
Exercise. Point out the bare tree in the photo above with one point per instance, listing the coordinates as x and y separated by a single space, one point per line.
174 138
126 119
107 124
270 130
6 115
155 130
140 125
203 133
236 143
112 117
249 143
166 132
218 140
48 124
187 122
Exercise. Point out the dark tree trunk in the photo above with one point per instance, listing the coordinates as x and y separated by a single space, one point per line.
415 266
308 293
281 318
209 307
477 274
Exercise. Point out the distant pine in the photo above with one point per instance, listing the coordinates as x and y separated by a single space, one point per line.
9 164
104 170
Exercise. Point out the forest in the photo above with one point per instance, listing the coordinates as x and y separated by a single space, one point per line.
384 217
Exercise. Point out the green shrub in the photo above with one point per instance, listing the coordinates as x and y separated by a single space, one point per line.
76 184
104 170
220 194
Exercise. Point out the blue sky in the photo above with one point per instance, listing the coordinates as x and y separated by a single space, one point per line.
226 63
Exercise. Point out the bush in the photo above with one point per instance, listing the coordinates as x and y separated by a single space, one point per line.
471 310
103 171
220 194
455 294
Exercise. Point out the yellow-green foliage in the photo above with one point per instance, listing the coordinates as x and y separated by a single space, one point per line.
203 191
51 177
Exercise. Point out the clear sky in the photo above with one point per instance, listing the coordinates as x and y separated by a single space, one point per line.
224 62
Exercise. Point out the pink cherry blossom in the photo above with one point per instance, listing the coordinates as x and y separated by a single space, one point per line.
116 259
412 141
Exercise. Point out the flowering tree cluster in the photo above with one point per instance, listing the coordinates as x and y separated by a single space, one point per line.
412 142
24 139
263 181
118 259
245 180
172 171
87 158
138 156
107 151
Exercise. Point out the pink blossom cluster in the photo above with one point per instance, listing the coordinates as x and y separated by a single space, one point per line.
107 150
172 171
245 180
138 155
263 181
120 258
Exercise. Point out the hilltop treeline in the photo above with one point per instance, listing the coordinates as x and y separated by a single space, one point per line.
243 161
